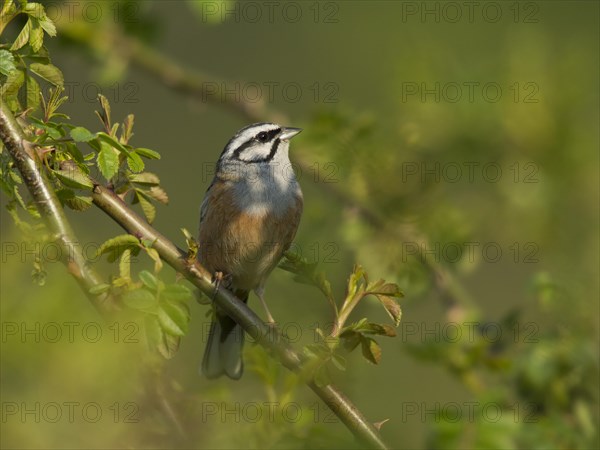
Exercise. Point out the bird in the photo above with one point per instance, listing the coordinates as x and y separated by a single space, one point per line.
248 219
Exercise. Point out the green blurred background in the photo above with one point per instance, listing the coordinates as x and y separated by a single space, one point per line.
385 131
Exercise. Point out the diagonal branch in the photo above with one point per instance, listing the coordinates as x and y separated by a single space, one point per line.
28 164
105 199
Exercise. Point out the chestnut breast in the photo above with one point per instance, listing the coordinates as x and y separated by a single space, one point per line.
244 233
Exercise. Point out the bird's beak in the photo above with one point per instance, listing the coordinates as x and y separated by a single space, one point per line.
288 133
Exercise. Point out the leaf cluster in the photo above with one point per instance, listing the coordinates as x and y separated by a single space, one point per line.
24 66
163 306
347 337
25 63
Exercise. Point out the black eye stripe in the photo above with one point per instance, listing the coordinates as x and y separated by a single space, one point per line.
270 134
274 133
269 157
271 154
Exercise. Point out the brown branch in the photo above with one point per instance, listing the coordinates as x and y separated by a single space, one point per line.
113 206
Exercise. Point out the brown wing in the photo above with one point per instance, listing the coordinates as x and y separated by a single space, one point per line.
215 213
283 232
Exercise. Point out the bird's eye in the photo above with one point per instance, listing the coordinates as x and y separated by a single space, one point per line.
262 136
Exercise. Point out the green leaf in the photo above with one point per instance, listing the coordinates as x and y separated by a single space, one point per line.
317 351
166 344
324 285
354 280
99 289
23 37
33 93
95 144
392 307
112 142
11 101
34 10
18 197
49 73
54 130
169 345
55 99
74 151
176 292
48 26
152 253
36 35
350 339
80 134
174 318
153 331
141 299
378 329
120 281
147 153
105 114
125 264
149 280
147 208
14 176
135 163
370 350
13 83
108 161
147 243
117 245
41 56
38 274
381 287
7 62
158 194
361 324
192 245
73 177
113 131
127 130
144 178
77 202
8 10
187 234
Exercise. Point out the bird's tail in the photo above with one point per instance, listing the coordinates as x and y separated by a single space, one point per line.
223 353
